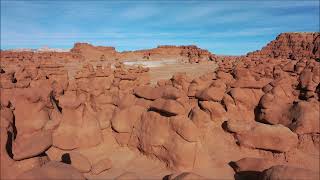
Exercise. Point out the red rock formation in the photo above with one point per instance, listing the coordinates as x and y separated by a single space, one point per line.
292 46
256 112
93 53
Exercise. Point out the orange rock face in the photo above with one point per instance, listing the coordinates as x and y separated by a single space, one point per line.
254 117
292 46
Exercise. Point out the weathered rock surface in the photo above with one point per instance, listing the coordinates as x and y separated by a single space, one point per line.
78 161
262 136
88 109
52 170
101 166
292 46
287 172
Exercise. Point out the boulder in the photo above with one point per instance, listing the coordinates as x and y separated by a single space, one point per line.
27 146
123 120
153 129
211 94
309 79
181 81
253 164
148 92
247 97
305 117
168 106
215 109
143 103
71 100
126 101
185 128
262 136
78 128
274 110
30 117
198 84
254 84
199 117
78 161
280 172
169 92
104 115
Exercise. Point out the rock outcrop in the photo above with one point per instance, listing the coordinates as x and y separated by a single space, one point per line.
292 46
259 114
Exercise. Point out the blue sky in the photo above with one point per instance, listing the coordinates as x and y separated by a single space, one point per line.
223 27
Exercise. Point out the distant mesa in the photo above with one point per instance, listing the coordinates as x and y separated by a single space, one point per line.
289 45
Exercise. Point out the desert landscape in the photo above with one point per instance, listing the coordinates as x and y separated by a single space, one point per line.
171 113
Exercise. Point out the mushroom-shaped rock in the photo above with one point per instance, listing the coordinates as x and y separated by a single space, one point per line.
167 106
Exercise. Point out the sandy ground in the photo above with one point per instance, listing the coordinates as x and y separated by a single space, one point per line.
165 69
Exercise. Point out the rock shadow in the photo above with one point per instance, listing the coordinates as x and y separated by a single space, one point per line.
65 158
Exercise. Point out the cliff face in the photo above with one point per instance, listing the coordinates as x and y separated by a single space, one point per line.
190 53
291 46
93 53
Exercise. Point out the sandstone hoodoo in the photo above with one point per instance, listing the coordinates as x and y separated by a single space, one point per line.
89 114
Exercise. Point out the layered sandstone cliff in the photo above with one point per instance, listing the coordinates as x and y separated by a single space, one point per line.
191 53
